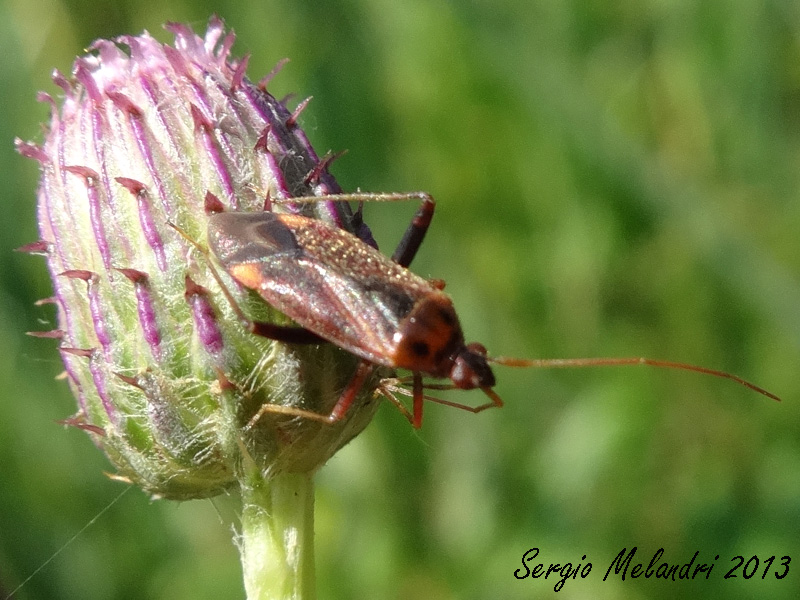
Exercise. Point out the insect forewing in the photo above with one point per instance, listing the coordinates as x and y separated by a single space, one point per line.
322 277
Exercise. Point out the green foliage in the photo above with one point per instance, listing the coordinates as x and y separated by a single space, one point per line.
612 179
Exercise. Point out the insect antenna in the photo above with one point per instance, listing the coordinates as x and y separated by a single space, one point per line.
563 363
356 197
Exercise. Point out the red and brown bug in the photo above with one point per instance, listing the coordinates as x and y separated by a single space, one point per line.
341 290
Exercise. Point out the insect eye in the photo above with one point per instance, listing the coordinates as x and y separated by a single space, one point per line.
420 348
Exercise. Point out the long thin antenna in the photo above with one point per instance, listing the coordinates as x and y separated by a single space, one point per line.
564 363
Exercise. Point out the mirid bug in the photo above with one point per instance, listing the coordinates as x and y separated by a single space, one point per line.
341 290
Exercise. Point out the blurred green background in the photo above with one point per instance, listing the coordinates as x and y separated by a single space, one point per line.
613 179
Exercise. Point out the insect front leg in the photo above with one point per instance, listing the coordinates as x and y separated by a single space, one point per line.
388 387
395 385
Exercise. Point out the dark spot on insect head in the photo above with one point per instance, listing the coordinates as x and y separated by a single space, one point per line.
447 317
421 349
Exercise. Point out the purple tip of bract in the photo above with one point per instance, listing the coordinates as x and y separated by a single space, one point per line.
125 104
91 179
188 43
239 73
315 175
204 127
201 122
31 150
146 221
82 71
205 318
292 120
146 309
101 385
134 275
132 381
79 421
98 376
37 247
82 352
95 305
79 274
212 204
265 81
225 384
134 186
64 83
53 334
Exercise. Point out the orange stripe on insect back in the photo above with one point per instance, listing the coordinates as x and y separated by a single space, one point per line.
248 274
293 221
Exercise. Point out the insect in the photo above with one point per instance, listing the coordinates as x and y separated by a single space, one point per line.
341 290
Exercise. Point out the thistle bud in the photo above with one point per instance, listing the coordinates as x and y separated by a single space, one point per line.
166 377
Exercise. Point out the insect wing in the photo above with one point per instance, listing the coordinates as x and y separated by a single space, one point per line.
322 277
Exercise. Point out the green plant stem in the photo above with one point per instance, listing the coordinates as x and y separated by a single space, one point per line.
277 545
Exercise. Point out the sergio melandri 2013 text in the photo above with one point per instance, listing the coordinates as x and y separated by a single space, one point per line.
625 566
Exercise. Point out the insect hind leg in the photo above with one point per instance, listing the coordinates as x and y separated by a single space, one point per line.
415 233
340 409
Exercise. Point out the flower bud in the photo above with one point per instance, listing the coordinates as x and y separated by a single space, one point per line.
166 376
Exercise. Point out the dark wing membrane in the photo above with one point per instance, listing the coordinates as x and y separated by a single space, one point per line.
326 280
239 238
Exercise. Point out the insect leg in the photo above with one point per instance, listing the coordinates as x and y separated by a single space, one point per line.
288 334
394 384
388 387
495 402
339 410
349 394
419 399
412 239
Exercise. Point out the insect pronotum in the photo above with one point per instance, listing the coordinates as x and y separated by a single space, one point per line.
341 290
